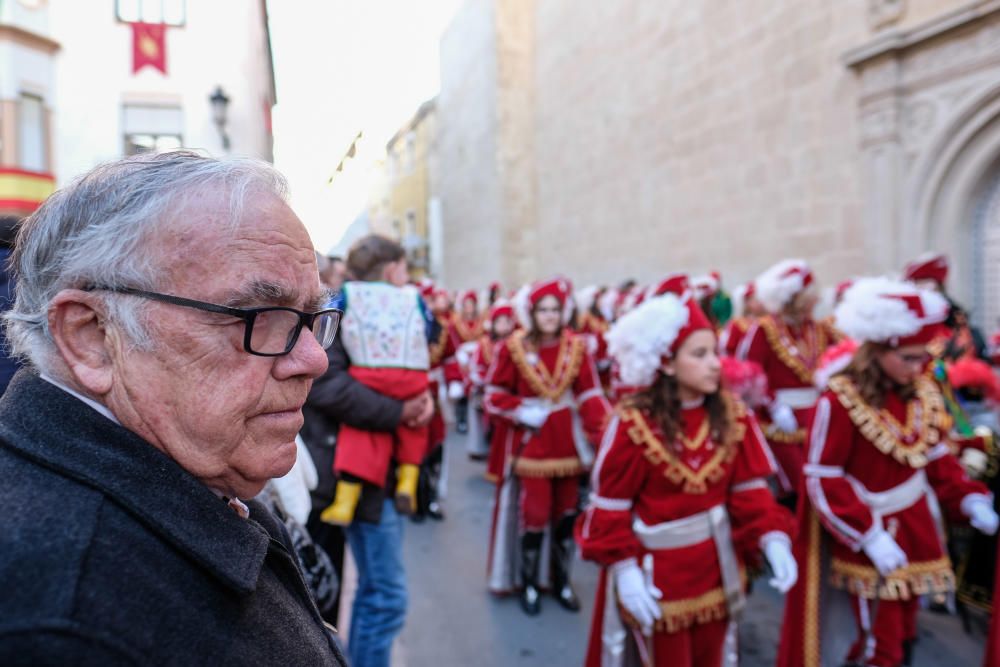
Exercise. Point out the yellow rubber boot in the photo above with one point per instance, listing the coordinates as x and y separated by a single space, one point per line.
345 501
406 488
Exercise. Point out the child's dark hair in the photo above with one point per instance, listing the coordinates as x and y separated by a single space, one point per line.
370 254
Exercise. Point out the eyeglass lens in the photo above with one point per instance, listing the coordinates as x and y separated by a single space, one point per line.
276 331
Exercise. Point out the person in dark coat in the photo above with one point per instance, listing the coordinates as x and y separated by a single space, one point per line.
337 398
171 318
8 230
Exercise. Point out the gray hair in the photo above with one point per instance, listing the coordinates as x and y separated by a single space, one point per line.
99 231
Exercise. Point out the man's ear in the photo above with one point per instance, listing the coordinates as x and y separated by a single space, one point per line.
77 323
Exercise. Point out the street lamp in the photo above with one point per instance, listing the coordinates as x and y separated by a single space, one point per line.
220 108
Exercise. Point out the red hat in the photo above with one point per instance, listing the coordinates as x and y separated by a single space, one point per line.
495 286
930 266
501 308
675 283
896 313
750 290
705 286
427 289
696 321
560 288
468 295
777 286
643 339
842 287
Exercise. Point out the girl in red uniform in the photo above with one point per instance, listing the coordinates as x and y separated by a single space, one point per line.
543 384
681 503
878 476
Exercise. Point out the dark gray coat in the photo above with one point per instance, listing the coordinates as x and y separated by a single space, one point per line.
112 554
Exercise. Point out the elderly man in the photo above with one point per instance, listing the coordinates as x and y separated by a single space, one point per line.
170 312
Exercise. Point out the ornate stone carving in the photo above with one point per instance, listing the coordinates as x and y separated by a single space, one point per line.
882 13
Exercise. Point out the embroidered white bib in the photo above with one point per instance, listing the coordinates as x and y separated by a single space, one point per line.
383 326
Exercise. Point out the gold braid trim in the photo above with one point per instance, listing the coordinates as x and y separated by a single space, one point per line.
467 333
877 426
679 615
674 469
795 362
922 578
565 467
438 346
776 436
545 384
810 642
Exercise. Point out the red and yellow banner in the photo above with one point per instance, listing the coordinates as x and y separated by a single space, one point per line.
23 191
149 46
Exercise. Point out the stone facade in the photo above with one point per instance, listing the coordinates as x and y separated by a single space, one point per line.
643 136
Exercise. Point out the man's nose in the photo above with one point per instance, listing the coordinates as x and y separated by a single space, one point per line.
306 358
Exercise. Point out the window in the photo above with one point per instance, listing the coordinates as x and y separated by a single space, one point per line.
411 151
151 143
31 143
171 12
152 129
411 223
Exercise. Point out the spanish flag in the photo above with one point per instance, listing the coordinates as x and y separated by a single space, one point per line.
149 46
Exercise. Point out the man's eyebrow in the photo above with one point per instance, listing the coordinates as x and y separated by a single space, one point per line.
320 301
262 292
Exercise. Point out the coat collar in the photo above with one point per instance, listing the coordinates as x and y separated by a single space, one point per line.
47 425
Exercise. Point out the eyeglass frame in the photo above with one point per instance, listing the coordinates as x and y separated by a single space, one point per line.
248 315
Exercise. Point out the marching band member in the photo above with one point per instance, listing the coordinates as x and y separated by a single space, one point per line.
878 464
787 343
543 384
680 504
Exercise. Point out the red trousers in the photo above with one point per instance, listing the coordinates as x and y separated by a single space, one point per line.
894 622
698 646
544 499
367 454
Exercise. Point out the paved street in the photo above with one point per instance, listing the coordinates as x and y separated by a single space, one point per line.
454 621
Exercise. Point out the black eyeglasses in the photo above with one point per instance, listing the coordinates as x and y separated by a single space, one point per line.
270 332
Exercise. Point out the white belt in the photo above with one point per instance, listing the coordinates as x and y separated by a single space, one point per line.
685 532
712 524
568 402
797 399
897 498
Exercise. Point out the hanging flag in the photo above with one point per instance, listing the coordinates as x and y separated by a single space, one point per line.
149 46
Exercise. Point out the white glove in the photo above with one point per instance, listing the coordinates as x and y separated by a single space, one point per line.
455 390
982 517
778 551
637 594
783 418
974 461
532 415
884 553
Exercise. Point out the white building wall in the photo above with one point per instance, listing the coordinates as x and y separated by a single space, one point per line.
221 43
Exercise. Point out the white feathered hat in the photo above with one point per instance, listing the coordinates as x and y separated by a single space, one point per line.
776 287
585 297
645 336
529 295
882 310
606 303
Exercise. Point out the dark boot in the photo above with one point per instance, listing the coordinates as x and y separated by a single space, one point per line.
462 415
562 561
908 651
531 551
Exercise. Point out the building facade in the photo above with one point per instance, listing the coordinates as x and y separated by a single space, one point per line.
401 201
644 136
72 96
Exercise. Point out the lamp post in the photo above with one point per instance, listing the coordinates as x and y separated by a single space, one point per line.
220 108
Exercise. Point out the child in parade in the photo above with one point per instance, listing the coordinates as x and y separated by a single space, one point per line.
543 385
681 504
878 478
